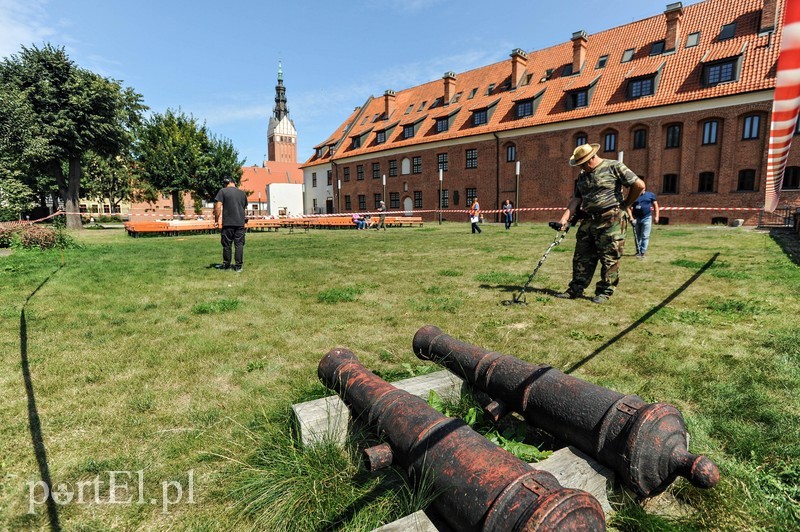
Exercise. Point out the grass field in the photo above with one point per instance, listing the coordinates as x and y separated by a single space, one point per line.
131 355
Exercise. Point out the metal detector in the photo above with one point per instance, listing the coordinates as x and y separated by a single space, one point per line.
520 297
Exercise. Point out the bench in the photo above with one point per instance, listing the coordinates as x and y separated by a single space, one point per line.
136 229
335 222
263 225
404 221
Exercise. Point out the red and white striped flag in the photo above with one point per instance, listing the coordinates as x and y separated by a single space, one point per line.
785 106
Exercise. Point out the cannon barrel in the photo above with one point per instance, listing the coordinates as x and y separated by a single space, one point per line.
645 444
479 486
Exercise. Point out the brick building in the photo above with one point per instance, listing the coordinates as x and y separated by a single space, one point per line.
684 98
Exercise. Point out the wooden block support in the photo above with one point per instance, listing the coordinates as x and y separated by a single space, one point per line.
416 522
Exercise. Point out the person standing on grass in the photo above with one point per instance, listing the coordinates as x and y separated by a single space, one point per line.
232 203
475 215
645 213
382 218
508 213
601 234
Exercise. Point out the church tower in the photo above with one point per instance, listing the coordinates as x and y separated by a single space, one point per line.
281 134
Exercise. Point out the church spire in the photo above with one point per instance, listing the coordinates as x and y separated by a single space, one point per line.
281 134
281 108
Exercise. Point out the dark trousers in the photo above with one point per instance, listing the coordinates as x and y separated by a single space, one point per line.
475 228
232 235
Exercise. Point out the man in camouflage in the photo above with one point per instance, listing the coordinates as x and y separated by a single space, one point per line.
601 234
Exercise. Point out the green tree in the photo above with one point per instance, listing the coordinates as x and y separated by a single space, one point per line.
70 111
15 198
107 178
176 154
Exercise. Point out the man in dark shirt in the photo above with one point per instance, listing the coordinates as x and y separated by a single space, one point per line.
232 202
601 235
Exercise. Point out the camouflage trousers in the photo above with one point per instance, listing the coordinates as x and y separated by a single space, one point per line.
598 240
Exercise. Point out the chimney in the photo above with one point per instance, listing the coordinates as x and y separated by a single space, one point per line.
389 103
673 14
768 14
519 61
449 86
578 50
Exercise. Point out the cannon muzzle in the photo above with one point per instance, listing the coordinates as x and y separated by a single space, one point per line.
479 485
644 444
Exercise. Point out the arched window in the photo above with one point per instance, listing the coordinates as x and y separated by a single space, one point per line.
747 180
405 166
511 152
791 179
706 182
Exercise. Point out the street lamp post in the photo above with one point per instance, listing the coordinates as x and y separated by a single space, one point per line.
304 198
339 196
516 200
441 178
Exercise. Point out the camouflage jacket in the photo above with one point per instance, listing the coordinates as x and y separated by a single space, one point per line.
601 188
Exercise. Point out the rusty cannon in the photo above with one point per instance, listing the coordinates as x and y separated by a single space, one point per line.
644 444
479 486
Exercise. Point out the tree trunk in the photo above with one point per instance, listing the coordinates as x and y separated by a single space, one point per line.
58 174
72 200
177 202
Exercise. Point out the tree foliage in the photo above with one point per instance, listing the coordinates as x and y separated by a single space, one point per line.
107 178
15 198
64 112
176 154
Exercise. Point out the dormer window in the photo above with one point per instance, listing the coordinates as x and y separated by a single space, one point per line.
727 31
380 137
657 48
437 102
456 97
442 124
641 87
489 89
356 143
479 117
408 131
567 70
320 151
601 63
720 71
627 55
578 99
525 108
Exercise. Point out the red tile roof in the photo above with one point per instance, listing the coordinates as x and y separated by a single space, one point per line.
680 79
255 178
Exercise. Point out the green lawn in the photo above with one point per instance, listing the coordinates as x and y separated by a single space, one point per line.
141 359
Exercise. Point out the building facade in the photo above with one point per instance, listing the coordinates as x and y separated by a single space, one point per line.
684 98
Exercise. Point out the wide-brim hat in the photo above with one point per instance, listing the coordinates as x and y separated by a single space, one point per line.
583 153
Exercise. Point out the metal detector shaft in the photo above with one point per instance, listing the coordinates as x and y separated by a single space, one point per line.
519 298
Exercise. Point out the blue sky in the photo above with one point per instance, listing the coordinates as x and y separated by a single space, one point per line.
218 60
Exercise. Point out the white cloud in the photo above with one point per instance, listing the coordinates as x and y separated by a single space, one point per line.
22 23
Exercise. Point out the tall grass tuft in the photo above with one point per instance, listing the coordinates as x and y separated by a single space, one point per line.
286 486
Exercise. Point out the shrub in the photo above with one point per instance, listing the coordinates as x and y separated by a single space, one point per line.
34 237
